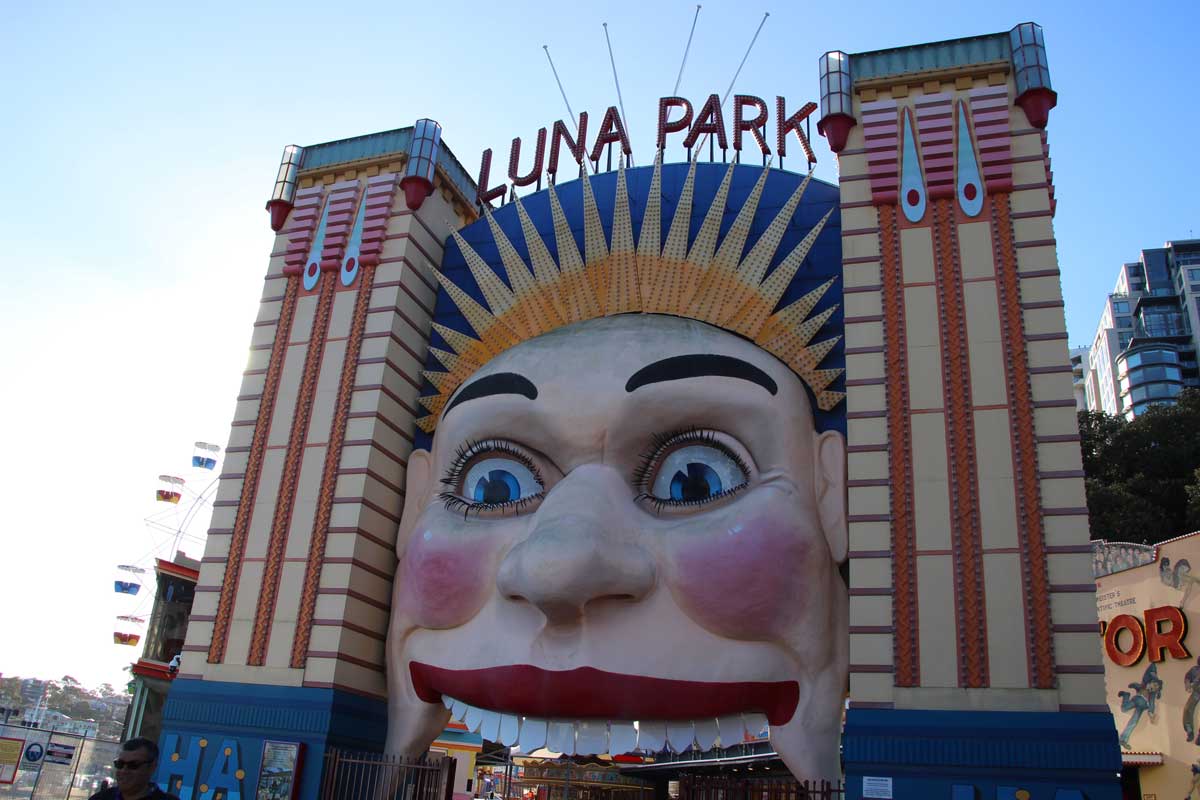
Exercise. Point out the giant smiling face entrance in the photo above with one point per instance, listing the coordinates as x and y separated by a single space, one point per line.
618 509
626 531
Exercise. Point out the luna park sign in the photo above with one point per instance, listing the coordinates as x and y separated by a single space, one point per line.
676 115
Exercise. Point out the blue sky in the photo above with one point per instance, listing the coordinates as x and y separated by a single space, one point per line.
139 142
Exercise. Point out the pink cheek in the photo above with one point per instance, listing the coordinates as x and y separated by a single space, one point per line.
445 579
745 581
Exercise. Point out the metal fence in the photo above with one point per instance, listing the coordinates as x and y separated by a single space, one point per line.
729 787
69 766
379 776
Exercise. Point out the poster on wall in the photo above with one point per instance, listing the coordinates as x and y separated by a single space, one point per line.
10 756
280 764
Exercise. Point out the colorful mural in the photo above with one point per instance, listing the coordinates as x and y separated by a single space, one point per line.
1152 666
1110 557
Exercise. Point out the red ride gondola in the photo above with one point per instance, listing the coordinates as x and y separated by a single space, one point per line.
169 491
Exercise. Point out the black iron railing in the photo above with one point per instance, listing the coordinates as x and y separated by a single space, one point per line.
732 787
351 775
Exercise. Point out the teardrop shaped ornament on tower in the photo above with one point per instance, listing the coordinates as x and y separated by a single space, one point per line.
349 269
969 183
912 180
312 265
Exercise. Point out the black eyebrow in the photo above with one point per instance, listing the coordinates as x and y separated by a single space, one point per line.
500 383
694 366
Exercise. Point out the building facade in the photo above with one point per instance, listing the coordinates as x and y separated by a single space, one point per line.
1144 350
934 229
971 609
1079 376
175 591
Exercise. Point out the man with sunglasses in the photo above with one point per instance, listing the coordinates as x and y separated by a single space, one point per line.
133 767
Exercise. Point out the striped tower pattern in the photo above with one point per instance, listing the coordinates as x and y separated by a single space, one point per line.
362 499
879 477
226 551
303 448
880 132
935 127
989 112
970 580
296 579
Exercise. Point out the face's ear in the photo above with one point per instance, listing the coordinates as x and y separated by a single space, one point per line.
418 485
830 472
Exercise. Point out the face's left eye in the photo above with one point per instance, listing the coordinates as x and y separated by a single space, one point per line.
500 480
691 469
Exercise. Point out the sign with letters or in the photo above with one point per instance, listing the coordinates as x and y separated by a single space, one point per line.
675 115
877 788
280 765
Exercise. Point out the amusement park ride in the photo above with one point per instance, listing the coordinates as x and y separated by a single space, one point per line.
168 527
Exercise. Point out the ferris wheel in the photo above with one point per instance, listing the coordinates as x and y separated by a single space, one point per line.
182 500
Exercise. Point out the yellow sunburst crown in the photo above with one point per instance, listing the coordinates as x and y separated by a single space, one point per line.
702 280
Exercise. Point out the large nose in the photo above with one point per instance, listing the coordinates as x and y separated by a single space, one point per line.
582 548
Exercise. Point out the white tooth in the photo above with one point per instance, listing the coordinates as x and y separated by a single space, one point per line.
533 734
756 725
560 737
473 718
509 723
733 730
680 735
489 728
651 736
591 737
622 738
459 712
706 733
447 701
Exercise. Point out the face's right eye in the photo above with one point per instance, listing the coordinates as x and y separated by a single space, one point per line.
500 480
492 476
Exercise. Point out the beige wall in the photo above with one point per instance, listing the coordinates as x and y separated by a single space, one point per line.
1057 477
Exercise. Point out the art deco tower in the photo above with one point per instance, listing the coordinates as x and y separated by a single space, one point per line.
971 586
286 638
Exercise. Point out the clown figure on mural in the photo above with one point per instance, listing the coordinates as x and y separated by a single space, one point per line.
1191 685
634 474
1142 700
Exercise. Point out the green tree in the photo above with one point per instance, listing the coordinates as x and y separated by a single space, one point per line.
10 693
69 697
1143 477
1193 506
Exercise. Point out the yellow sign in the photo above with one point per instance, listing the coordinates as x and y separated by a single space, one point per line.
10 756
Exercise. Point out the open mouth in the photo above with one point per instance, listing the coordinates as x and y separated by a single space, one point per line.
590 711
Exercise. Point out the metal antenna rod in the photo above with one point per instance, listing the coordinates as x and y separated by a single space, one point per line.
570 113
620 100
566 102
679 78
739 69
